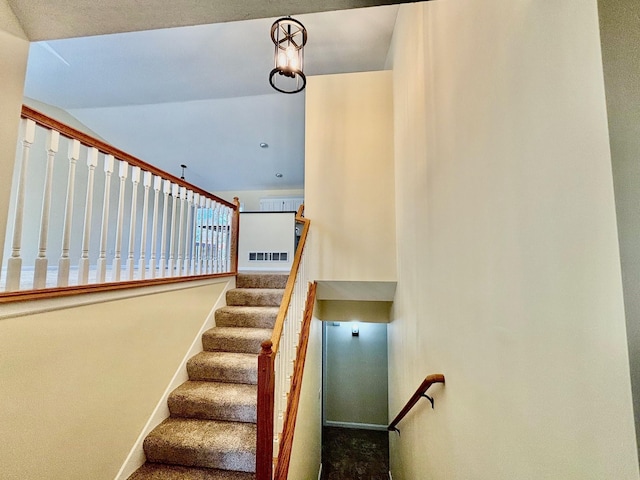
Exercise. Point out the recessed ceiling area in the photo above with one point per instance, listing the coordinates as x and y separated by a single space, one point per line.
200 95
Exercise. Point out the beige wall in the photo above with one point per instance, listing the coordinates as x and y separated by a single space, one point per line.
79 384
349 176
250 199
307 447
14 49
620 36
508 270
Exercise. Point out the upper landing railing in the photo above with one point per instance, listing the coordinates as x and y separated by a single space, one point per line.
69 226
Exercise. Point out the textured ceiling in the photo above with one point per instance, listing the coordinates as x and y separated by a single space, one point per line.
53 19
196 95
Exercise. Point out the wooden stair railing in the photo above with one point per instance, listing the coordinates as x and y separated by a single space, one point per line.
199 241
268 376
421 392
293 400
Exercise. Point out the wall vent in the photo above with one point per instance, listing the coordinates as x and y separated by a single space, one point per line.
268 256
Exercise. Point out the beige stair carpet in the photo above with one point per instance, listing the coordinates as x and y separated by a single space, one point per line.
211 431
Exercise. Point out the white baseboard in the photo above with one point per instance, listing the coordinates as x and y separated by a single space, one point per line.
320 473
390 477
361 426
136 456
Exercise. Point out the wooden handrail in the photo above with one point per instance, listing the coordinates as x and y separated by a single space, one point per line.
291 415
266 368
58 292
70 132
420 393
288 291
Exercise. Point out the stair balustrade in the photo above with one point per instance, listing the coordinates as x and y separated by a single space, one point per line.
69 227
277 361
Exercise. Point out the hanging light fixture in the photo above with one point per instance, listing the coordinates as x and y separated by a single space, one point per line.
289 37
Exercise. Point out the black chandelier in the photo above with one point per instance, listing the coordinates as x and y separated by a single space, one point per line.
289 37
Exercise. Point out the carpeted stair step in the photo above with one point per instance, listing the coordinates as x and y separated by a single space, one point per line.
235 339
234 402
224 367
261 280
248 317
203 443
255 297
159 471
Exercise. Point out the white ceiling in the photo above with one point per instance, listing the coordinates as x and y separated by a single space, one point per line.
200 95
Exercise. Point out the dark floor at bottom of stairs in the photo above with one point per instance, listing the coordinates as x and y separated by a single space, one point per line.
352 454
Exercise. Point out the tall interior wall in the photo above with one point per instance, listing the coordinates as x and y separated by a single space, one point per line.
79 384
620 37
14 49
509 277
349 200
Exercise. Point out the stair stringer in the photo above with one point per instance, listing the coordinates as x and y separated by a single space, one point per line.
136 457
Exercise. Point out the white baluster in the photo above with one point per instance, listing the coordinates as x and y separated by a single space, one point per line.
212 243
201 226
65 262
40 273
220 245
83 267
188 230
209 234
195 254
131 261
14 263
157 182
117 258
216 241
101 274
165 211
227 240
172 235
146 182
194 235
183 196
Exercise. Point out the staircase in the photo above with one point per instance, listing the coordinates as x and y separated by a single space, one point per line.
211 431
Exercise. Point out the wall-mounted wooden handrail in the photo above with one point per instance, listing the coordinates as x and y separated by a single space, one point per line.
420 393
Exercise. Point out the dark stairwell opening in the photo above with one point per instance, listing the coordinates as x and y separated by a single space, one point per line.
355 443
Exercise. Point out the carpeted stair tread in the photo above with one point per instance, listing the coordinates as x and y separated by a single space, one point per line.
159 471
255 297
235 402
249 317
262 280
235 339
203 443
224 367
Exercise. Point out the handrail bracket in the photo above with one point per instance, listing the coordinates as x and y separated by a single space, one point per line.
430 400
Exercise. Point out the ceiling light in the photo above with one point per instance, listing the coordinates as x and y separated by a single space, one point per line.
289 37
264 145
279 175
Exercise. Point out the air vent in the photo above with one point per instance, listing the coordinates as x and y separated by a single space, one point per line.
268 256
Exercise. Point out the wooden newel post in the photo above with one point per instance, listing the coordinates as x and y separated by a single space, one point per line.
266 393
235 235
